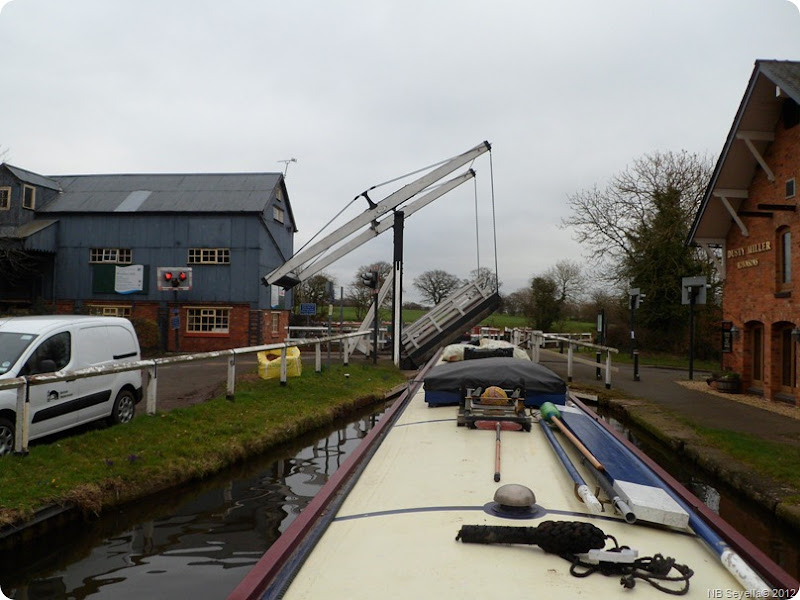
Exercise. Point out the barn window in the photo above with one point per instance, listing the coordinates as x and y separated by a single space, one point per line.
28 197
276 321
5 198
277 214
120 256
108 310
209 256
208 320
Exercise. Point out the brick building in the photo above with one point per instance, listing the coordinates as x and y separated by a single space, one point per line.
98 244
749 224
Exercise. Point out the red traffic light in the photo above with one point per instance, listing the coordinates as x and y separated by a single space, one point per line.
174 278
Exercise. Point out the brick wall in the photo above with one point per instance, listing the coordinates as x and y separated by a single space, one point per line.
752 296
239 329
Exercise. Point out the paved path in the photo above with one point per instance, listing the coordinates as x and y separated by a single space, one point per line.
705 409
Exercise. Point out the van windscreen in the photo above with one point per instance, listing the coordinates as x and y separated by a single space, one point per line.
12 345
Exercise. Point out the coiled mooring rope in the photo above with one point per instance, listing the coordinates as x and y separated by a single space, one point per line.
570 538
556 537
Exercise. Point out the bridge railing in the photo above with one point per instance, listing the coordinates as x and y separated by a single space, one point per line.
533 341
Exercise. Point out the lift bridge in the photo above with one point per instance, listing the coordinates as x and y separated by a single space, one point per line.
446 322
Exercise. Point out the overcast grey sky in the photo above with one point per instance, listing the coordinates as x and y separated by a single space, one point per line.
359 92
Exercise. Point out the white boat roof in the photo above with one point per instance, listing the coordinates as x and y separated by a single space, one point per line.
394 535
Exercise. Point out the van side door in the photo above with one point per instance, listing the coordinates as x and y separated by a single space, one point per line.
93 347
51 404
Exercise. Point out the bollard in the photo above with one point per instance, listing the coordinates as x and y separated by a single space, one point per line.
283 365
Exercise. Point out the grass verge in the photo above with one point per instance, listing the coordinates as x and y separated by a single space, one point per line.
778 461
108 466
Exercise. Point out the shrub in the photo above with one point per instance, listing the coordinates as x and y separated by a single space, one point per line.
149 334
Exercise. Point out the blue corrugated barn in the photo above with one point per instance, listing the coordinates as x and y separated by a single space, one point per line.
100 244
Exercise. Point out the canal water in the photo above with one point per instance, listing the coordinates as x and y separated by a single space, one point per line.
199 541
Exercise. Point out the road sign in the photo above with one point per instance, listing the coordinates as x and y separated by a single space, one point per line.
308 308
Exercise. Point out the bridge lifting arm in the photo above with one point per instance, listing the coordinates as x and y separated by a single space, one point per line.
384 225
289 275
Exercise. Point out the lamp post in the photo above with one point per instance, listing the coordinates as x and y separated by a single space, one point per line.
636 298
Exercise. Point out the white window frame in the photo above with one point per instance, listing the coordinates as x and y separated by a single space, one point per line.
793 183
25 204
276 323
208 319
5 198
117 256
209 256
108 310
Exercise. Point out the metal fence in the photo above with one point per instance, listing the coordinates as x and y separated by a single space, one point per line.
534 341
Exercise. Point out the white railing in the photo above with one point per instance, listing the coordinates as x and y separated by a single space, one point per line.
296 333
534 341
150 381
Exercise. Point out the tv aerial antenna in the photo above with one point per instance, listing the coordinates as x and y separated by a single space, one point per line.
286 164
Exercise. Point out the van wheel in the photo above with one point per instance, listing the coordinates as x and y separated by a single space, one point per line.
124 408
6 437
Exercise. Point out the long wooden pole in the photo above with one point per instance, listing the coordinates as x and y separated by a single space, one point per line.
551 414
497 454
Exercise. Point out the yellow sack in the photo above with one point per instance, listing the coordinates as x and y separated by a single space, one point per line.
269 363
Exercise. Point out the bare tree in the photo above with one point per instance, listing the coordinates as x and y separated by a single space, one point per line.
436 285
569 279
607 220
516 303
486 278
16 264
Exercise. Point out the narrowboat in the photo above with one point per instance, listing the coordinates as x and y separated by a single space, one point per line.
488 478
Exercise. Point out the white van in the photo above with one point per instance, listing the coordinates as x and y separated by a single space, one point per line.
45 344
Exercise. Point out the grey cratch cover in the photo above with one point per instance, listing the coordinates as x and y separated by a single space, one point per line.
505 372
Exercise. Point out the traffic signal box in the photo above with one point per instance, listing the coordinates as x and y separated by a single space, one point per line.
370 279
174 279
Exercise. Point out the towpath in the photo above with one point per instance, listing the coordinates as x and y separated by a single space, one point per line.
694 400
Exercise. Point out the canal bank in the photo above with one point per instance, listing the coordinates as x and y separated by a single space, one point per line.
675 411
73 477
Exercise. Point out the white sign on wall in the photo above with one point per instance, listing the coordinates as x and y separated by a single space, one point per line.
128 280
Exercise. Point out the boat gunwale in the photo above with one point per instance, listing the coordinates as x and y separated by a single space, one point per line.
274 563
281 562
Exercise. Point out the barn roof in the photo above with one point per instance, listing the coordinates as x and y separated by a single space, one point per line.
218 192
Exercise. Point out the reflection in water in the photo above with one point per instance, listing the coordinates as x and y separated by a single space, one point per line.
198 541
758 525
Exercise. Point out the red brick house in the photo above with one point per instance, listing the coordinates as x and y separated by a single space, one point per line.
749 223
